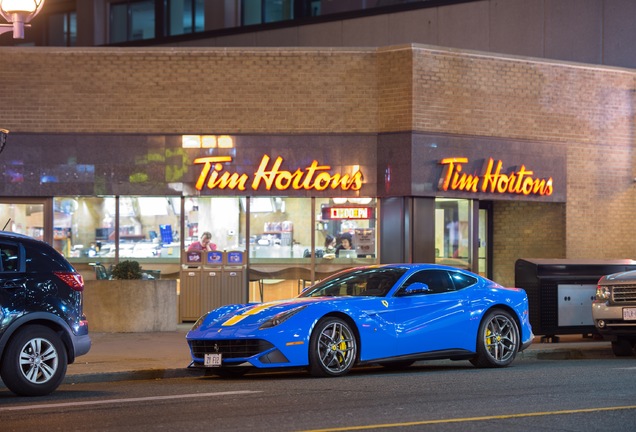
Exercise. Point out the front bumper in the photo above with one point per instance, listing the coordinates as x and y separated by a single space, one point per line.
608 320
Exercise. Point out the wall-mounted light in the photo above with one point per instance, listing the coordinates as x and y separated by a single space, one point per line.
18 13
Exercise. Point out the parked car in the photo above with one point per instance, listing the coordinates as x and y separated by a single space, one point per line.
42 327
392 315
614 311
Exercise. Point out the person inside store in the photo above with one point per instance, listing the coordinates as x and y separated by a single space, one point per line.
345 243
330 247
330 244
205 244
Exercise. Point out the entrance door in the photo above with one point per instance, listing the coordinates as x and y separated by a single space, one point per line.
485 239
29 216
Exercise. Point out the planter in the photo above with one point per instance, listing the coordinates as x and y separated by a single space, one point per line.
126 306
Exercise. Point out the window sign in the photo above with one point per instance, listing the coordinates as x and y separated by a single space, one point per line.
334 213
235 258
215 258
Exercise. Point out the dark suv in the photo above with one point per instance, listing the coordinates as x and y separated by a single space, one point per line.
42 327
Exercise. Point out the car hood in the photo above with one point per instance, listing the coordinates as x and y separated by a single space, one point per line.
622 277
255 314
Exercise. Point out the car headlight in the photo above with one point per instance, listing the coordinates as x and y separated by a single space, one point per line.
199 322
281 317
602 293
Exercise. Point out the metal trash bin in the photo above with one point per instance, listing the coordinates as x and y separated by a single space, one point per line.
190 287
234 287
211 278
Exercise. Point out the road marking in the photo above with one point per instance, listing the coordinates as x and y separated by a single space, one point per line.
127 400
473 419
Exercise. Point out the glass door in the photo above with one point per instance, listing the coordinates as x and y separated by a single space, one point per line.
29 216
485 239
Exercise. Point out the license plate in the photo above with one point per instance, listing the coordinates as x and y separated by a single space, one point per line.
212 360
629 314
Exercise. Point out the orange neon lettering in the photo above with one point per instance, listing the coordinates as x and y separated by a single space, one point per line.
207 164
227 180
315 176
449 170
492 180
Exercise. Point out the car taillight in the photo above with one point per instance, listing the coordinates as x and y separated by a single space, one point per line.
74 280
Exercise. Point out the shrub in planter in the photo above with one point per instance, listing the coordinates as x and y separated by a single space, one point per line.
127 270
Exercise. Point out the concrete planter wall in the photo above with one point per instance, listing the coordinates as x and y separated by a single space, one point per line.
125 306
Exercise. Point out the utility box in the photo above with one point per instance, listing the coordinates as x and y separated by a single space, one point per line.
561 291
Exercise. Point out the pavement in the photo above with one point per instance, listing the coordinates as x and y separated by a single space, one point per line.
160 355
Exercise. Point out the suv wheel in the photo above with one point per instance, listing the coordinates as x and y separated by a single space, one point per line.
622 348
34 361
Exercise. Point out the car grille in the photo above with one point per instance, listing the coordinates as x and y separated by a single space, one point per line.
233 348
624 293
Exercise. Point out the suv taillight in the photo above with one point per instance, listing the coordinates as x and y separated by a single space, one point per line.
74 280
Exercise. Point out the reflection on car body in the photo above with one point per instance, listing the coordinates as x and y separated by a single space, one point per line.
42 326
392 315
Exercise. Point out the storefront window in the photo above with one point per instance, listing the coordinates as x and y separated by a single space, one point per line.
218 216
23 218
84 227
280 229
346 229
149 227
452 232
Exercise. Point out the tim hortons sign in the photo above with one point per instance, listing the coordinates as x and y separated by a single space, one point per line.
272 176
519 181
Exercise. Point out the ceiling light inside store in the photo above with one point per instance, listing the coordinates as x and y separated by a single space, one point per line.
226 141
190 141
360 200
208 141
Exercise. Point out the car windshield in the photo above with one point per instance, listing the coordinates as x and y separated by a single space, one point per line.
374 281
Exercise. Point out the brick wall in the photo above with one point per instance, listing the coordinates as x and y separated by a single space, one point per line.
188 90
586 109
526 230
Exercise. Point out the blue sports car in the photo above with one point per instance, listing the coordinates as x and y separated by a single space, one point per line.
392 315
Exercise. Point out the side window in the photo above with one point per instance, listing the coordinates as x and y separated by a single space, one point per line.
462 280
438 281
10 259
39 259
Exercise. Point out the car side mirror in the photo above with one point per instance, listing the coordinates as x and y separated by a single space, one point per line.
415 288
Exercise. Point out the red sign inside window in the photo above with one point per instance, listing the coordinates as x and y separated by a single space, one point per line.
336 213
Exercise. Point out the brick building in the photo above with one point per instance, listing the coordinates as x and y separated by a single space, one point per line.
99 135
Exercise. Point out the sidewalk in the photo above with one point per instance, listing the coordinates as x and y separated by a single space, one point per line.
128 356
133 356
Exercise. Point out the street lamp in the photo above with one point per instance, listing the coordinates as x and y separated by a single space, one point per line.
18 13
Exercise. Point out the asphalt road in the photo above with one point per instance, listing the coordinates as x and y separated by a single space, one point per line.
563 395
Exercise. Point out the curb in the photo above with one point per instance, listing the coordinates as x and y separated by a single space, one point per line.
572 353
184 372
135 375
